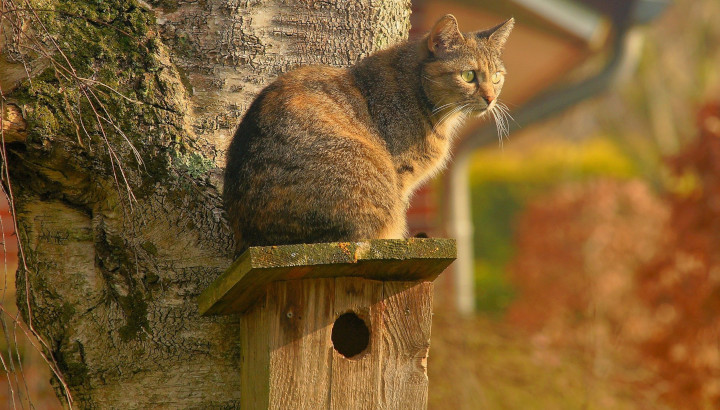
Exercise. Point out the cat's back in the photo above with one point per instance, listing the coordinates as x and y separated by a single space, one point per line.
303 152
309 114
317 92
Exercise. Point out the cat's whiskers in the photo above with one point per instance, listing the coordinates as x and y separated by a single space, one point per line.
452 107
440 108
505 117
501 114
431 80
456 109
505 123
506 111
497 127
459 109
453 130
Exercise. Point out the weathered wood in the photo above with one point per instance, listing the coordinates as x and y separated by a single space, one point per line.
356 382
288 361
255 361
292 297
406 344
288 358
384 259
300 354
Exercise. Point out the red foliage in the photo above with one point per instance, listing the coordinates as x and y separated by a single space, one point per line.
682 284
577 250
632 281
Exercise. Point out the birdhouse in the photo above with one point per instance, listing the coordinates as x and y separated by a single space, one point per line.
333 325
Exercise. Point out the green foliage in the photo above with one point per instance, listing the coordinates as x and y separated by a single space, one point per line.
501 185
495 293
547 163
495 205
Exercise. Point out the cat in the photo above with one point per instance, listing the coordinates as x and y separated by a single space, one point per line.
328 154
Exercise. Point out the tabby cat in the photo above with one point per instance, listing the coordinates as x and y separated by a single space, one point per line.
329 154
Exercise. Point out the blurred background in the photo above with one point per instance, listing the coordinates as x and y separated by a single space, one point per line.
589 241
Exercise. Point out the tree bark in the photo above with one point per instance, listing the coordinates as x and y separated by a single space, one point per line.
117 244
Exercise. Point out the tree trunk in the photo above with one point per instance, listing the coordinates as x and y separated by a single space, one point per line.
118 243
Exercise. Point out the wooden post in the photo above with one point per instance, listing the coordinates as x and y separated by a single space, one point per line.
333 325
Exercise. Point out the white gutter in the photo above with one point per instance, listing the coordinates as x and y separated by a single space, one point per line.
461 228
578 20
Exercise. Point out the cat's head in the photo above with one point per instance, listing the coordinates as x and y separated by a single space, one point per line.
464 70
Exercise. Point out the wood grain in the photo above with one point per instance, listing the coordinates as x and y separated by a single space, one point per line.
288 359
406 344
356 381
255 358
286 351
300 338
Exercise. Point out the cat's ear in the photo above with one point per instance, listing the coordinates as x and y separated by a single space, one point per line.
497 36
444 36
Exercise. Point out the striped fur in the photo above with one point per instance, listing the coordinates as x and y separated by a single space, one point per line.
329 154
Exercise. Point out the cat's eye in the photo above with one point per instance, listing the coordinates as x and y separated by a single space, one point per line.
468 76
497 77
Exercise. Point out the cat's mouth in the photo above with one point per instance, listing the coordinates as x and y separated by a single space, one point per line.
478 111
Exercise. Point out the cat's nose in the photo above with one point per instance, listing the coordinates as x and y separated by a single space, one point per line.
488 98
